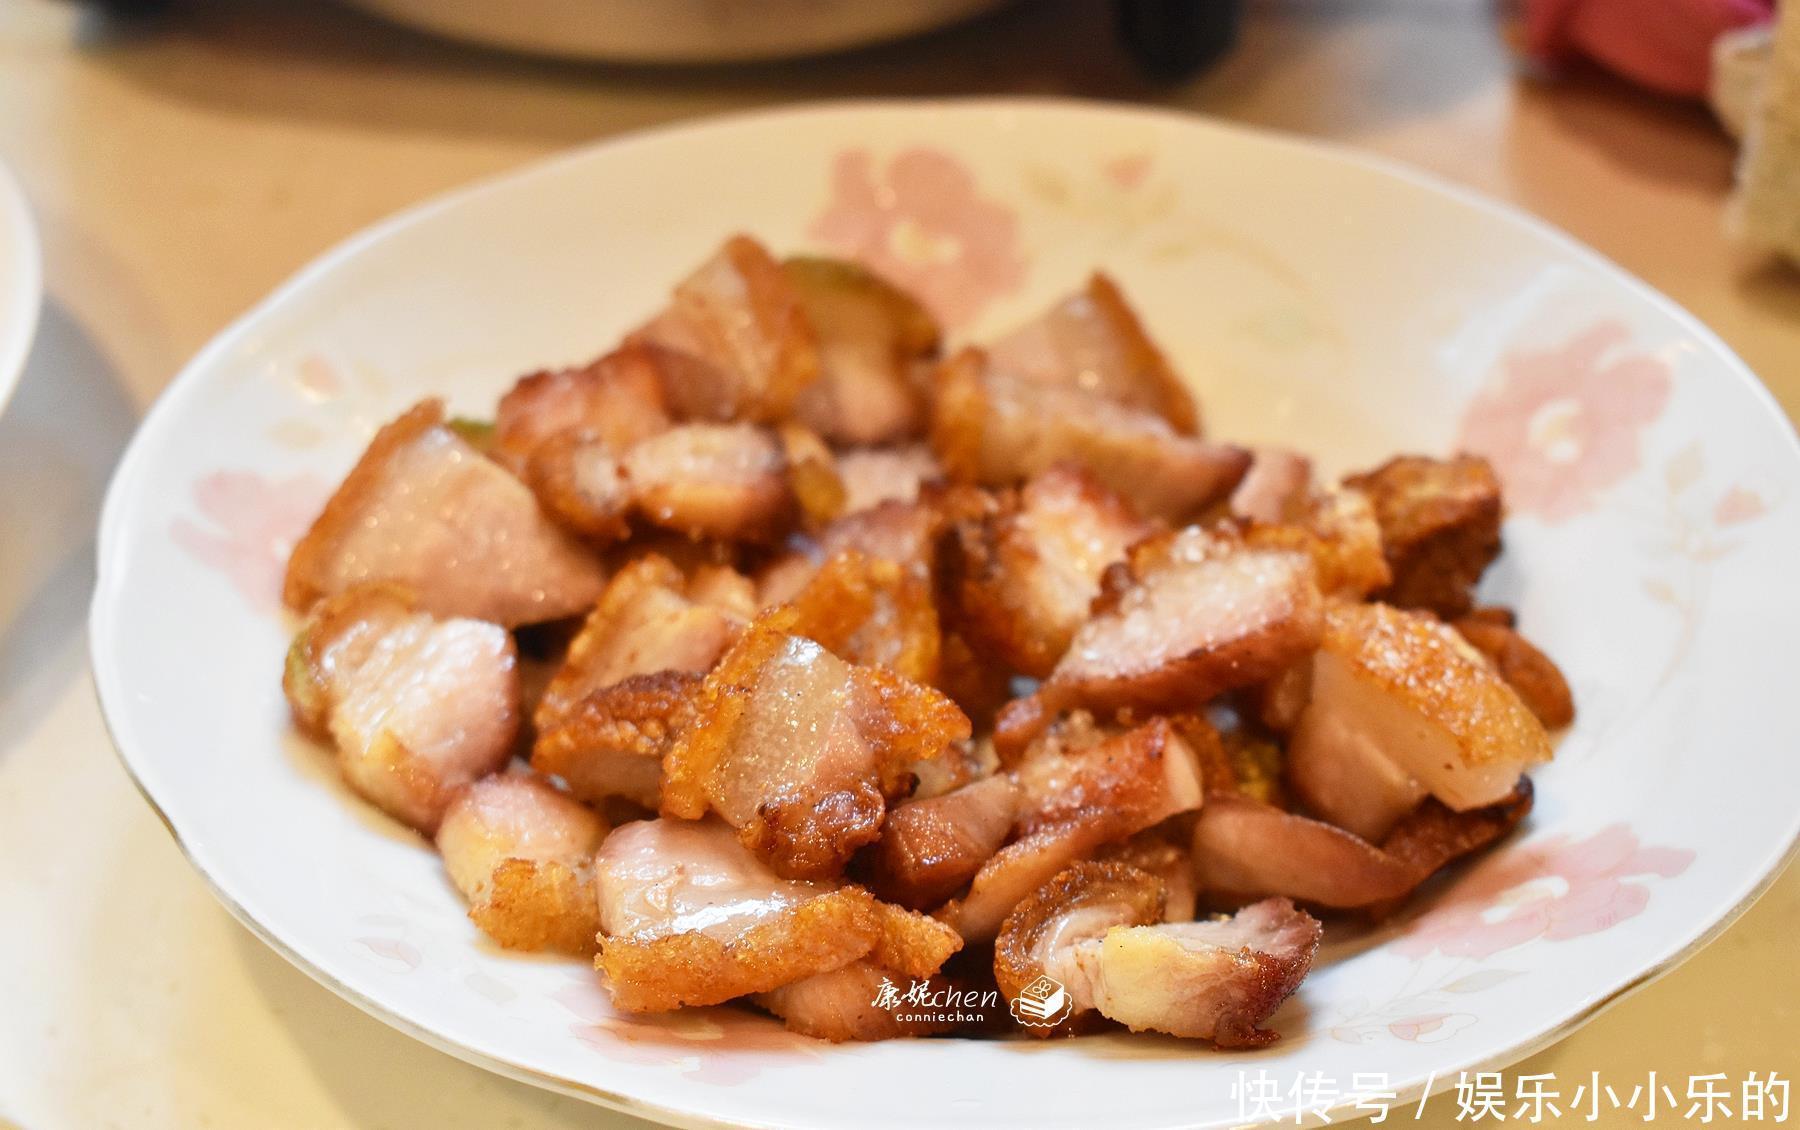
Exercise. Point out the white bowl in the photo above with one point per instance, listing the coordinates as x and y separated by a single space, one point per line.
1348 307
21 284
677 31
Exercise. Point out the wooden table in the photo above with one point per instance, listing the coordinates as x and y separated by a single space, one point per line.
181 168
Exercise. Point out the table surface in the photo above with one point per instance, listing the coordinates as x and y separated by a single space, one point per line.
181 168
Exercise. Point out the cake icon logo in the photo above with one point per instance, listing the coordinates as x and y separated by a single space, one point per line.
1044 1003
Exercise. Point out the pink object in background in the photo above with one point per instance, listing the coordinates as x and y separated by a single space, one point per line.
1663 44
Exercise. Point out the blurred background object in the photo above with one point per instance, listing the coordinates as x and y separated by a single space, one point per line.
1665 45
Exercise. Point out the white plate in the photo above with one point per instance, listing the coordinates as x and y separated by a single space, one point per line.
1342 305
21 284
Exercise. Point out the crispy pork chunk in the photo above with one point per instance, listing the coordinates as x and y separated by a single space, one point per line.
1215 980
632 676
711 480
996 429
739 345
522 853
874 612
1440 528
1028 570
1188 616
614 402
1275 488
873 475
1080 788
839 1006
425 509
929 849
1402 706
1080 904
874 340
801 751
1337 529
417 706
1092 342
1528 671
689 917
1156 852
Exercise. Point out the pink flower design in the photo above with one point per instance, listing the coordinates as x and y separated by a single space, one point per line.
1563 424
1429 1027
1129 170
1737 506
1556 890
251 525
922 224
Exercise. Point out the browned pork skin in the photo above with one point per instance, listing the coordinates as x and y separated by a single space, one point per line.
1092 342
873 338
1528 671
632 676
522 854
417 707
872 612
1401 706
1440 527
1045 931
930 849
997 430
725 481
1029 570
1215 980
425 509
1275 488
1188 617
689 917
801 751
616 401
873 475
740 344
1337 530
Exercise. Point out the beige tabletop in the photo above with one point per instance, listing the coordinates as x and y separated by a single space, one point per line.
182 167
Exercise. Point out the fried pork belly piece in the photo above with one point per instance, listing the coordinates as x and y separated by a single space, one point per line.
1188 616
812 475
522 853
873 339
1337 529
1402 706
1245 849
1154 853
872 612
801 751
1215 980
580 482
725 481
689 917
417 706
739 344
1528 671
1045 932
425 509
995 429
1028 570
840 1006
930 849
632 676
873 475
614 402
1275 488
1440 528
1079 789
1092 342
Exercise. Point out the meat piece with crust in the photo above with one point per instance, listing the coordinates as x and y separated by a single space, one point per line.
1528 671
522 854
739 342
1043 934
996 430
1093 342
727 481
1440 528
1275 488
873 612
929 849
689 917
873 339
615 401
801 751
1402 705
1215 980
839 1006
1337 529
425 509
873 475
417 706
1187 617
1027 571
